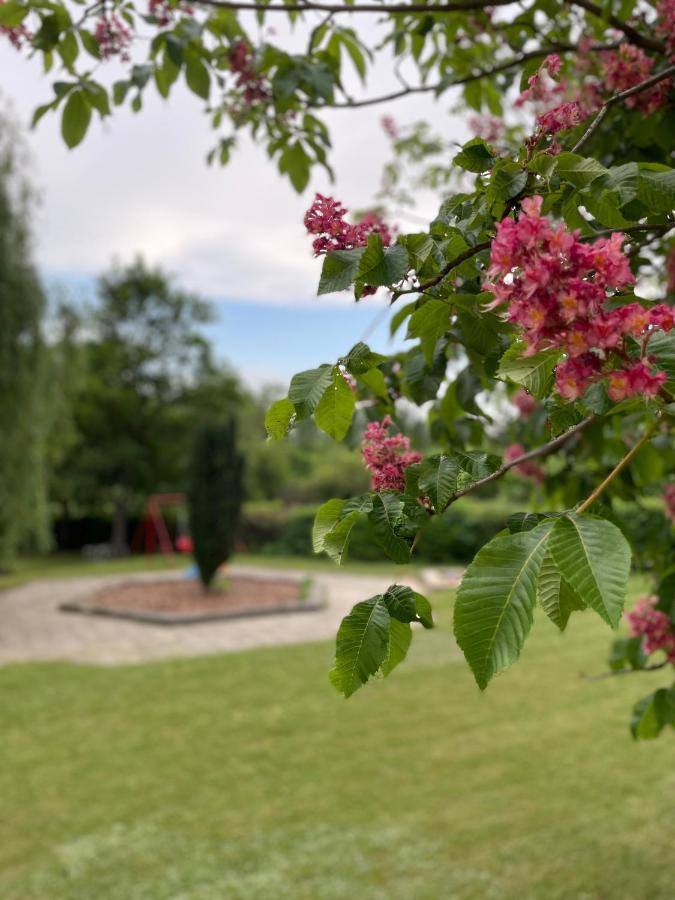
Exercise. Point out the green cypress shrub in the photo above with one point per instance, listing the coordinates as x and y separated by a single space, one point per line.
214 496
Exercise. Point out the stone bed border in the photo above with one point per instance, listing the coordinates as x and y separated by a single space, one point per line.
314 601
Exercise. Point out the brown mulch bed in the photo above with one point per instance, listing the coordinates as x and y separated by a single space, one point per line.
179 602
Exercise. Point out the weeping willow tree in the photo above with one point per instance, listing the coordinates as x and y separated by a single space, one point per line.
23 364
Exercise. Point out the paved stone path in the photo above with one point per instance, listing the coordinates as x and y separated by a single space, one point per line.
33 628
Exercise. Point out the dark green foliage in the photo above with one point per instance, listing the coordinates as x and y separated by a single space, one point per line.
214 496
24 406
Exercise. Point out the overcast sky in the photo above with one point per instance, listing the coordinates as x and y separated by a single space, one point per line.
140 184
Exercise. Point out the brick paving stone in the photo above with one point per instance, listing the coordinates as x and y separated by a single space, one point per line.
32 627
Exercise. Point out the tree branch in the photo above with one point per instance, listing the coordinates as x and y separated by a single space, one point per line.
618 468
616 672
447 268
543 450
617 98
634 36
466 79
395 8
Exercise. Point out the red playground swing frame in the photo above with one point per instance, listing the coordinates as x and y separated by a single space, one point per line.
152 530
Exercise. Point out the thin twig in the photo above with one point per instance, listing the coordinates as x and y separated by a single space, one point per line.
543 450
395 8
617 98
439 86
447 268
618 467
616 672
634 36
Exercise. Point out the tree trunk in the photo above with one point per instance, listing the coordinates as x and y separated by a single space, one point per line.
119 529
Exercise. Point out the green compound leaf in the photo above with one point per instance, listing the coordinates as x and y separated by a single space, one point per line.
439 477
400 638
327 517
556 597
336 408
534 373
496 600
339 270
278 418
387 513
76 118
307 388
429 323
653 713
475 156
593 557
362 645
382 265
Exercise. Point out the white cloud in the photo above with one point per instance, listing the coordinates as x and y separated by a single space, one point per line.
140 184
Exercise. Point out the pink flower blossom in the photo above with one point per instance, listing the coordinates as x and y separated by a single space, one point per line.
165 12
387 457
326 218
628 66
665 26
670 271
389 127
113 37
252 86
490 128
555 287
654 626
18 34
669 498
525 403
529 468
567 115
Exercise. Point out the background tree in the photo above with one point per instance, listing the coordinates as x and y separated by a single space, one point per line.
143 350
214 494
24 382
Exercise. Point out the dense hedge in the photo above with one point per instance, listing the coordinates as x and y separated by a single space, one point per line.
454 537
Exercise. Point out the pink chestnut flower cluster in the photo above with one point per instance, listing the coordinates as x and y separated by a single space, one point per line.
165 12
555 288
387 456
628 66
113 37
669 500
18 34
252 86
529 468
490 128
665 26
326 219
390 127
654 626
543 90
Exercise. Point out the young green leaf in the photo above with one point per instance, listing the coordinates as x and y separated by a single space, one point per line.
386 514
339 270
327 517
307 388
653 713
278 418
336 408
362 645
76 118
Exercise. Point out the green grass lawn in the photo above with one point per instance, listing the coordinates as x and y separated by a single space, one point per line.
247 776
